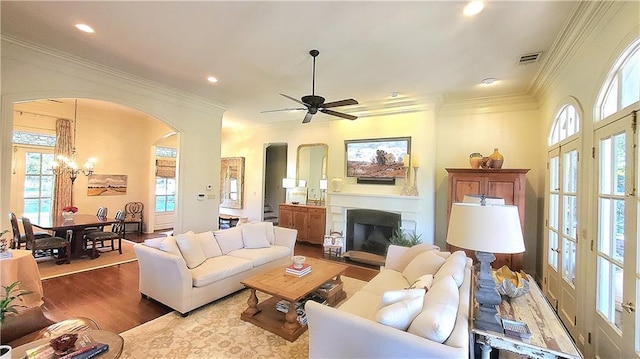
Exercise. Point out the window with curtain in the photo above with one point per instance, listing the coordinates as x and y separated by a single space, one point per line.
165 179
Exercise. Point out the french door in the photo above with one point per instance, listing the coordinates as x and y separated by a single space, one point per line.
562 235
616 249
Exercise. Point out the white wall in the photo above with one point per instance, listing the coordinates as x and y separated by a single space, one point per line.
420 126
31 73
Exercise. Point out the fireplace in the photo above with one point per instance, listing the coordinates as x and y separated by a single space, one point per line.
370 230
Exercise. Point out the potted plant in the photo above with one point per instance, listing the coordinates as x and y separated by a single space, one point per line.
8 306
5 244
400 238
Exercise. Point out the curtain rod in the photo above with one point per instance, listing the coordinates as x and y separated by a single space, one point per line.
39 114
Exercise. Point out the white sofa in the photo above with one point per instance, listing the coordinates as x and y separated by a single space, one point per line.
189 270
354 329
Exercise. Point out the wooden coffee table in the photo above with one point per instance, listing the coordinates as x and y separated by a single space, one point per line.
290 288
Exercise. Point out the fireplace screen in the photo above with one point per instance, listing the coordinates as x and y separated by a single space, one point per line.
370 230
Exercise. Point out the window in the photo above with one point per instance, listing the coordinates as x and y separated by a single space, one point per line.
567 124
623 88
38 185
165 194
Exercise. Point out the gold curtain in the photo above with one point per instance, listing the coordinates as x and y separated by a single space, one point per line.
62 184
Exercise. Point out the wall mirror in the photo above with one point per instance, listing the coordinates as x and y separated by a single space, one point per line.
311 167
231 182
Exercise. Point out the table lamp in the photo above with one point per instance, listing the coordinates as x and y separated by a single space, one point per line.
487 229
287 184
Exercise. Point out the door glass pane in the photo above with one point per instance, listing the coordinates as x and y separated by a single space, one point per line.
619 161
571 216
630 81
618 250
171 186
161 202
171 203
552 256
161 186
569 262
609 296
571 172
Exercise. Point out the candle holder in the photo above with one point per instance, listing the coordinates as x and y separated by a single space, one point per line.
406 189
414 189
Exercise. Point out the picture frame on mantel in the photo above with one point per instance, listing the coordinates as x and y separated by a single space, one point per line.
232 182
379 160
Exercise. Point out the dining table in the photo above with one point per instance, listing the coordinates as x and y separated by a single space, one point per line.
60 225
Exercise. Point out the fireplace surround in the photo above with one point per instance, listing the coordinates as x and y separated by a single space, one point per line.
370 230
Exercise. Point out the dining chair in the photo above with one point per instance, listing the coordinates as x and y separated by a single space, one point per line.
117 233
133 214
49 244
19 238
102 212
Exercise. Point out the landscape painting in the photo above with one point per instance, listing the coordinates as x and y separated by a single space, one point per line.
107 185
378 158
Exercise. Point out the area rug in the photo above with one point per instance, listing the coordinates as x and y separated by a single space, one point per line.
216 331
49 269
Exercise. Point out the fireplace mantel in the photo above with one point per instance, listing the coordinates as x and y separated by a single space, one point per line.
340 202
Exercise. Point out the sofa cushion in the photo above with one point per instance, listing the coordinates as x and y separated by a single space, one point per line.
191 249
386 280
427 262
406 257
154 242
260 256
423 282
209 244
440 312
254 235
363 304
400 314
218 268
393 296
169 245
229 239
269 231
454 267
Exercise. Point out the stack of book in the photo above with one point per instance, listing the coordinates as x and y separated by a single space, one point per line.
84 348
299 272
283 306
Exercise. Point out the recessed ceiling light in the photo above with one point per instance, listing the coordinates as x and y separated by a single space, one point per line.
488 81
85 28
212 79
395 94
473 8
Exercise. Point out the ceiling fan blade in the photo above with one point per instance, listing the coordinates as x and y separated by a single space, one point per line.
284 109
307 117
294 99
340 103
339 114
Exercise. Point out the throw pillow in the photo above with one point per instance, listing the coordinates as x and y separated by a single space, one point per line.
453 266
229 239
399 315
254 235
393 296
427 262
169 245
209 244
191 249
271 235
423 282
154 242
406 257
437 320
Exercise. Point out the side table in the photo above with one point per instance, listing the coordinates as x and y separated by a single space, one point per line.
23 267
115 341
549 338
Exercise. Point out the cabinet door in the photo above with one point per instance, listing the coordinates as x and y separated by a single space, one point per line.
317 223
285 217
301 223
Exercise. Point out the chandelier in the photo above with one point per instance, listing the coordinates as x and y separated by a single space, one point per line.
63 164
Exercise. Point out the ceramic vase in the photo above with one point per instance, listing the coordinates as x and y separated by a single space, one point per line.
68 215
475 160
336 184
497 159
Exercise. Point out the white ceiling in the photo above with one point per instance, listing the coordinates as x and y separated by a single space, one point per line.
424 50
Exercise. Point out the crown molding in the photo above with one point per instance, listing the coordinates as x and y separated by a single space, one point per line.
508 103
111 72
580 26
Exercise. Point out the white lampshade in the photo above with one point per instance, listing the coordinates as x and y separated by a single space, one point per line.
475 198
302 183
491 228
288 183
323 184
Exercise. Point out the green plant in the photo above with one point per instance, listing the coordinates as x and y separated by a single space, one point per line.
400 238
11 293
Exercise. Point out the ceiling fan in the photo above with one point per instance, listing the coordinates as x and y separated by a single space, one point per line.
313 103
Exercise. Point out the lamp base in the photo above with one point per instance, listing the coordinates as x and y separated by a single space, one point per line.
487 296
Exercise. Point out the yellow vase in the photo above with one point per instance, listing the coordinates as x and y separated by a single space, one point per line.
496 158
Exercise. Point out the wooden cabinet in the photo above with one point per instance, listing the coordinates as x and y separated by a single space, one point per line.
310 221
509 184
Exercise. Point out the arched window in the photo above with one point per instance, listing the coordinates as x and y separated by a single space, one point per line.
566 124
622 87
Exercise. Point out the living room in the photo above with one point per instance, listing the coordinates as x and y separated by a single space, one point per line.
443 134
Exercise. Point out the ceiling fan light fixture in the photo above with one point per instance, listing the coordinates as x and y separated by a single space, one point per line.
473 8
85 28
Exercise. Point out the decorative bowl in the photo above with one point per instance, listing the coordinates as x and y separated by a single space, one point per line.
68 215
298 261
64 342
511 284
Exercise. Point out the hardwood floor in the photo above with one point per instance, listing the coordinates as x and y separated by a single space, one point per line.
110 295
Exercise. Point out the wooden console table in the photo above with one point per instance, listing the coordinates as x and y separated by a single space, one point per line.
549 338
